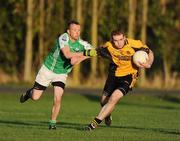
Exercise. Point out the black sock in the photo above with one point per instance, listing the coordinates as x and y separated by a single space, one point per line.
98 120
94 123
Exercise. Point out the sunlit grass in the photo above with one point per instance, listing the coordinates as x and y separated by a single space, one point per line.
137 117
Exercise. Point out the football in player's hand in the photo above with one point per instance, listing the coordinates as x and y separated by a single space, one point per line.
140 57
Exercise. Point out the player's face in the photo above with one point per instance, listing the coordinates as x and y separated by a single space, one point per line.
119 41
74 31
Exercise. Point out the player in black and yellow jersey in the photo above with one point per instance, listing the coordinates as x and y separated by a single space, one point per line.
122 73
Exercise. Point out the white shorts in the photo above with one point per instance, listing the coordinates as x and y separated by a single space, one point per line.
46 76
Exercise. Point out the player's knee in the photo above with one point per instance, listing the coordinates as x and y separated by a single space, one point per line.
36 94
118 94
57 99
57 102
113 101
35 97
115 97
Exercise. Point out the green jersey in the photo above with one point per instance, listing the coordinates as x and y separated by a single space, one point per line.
56 61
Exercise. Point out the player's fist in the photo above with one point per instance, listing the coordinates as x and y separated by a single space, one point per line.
90 52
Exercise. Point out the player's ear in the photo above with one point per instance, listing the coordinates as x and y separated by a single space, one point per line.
68 31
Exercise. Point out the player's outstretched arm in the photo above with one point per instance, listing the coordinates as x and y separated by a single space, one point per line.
68 54
103 52
77 60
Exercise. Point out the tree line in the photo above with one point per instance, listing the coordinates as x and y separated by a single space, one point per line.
28 29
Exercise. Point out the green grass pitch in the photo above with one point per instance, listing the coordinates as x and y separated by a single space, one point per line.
137 117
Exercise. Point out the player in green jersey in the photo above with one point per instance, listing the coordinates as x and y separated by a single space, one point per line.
68 50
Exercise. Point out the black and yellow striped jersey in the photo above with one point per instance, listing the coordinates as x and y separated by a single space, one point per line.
121 59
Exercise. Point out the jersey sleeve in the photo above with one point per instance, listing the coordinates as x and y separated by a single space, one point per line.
138 45
85 44
104 52
106 45
63 40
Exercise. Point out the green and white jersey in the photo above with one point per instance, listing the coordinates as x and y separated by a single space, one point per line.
56 61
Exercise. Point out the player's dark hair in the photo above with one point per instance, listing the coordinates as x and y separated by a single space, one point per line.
72 22
116 32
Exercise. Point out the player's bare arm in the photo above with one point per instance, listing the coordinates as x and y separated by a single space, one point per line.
68 54
77 60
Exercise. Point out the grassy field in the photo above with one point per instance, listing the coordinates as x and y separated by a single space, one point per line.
138 117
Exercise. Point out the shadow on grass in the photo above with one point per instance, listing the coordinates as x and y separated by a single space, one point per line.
170 98
22 123
94 98
41 124
80 127
69 125
160 130
148 106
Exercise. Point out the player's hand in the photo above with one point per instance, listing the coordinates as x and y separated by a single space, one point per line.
90 52
149 61
145 65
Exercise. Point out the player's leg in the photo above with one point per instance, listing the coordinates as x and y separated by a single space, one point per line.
58 83
106 110
33 93
58 93
108 90
108 119
41 83
121 89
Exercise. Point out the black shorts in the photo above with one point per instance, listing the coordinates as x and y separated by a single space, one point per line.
38 86
121 83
